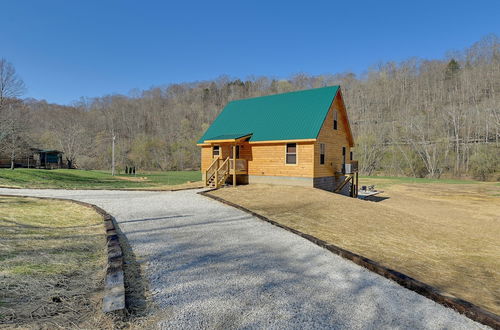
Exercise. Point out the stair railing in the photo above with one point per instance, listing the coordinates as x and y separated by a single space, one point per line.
241 165
346 180
211 170
222 172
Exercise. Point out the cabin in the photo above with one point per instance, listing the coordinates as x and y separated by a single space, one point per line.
36 158
48 158
299 138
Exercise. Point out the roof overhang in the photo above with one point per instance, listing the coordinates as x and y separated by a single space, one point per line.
283 141
228 138
46 150
209 142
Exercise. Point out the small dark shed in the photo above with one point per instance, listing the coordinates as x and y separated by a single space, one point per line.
47 158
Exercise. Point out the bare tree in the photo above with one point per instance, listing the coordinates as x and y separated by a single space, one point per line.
68 132
12 112
11 85
15 125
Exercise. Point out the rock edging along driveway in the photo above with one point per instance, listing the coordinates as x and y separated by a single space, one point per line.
114 295
472 311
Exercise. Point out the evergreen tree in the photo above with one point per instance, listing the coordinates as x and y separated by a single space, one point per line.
452 69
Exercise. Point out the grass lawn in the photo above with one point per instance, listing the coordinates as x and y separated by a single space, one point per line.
52 264
445 234
81 179
385 181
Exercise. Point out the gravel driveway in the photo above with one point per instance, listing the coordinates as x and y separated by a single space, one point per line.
212 266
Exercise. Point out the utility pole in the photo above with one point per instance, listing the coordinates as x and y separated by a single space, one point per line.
113 156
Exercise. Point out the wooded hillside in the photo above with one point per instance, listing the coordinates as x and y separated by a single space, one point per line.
417 118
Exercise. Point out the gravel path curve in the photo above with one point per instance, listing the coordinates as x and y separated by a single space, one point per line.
213 266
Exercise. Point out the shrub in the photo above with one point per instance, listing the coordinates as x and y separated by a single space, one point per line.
485 162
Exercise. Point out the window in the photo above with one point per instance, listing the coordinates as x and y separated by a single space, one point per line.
343 159
291 153
350 156
335 119
215 151
322 153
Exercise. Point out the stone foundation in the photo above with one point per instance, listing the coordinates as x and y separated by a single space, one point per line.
330 183
325 183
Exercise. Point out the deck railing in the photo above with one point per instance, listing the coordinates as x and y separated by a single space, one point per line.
350 168
220 169
241 165
354 165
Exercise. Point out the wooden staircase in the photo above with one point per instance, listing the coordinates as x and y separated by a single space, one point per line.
346 181
353 179
211 182
216 175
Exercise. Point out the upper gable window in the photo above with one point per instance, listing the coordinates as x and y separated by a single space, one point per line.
291 153
335 119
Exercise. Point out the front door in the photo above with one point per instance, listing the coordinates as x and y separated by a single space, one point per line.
237 152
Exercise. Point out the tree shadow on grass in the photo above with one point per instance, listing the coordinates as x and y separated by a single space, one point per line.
61 179
17 201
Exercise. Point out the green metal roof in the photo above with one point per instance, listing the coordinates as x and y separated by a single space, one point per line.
46 150
289 116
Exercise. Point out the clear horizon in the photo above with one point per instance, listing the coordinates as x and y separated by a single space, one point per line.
65 51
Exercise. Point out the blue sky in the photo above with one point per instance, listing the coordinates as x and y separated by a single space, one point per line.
67 49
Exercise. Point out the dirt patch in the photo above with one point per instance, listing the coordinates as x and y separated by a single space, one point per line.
52 265
427 231
133 178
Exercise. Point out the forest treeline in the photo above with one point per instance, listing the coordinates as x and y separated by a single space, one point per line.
421 118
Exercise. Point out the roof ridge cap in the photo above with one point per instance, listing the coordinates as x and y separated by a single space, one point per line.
278 94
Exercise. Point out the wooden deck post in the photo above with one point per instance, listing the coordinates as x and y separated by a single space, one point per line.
217 176
234 165
356 189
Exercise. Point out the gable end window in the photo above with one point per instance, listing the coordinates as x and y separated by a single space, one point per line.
335 119
322 153
291 153
215 151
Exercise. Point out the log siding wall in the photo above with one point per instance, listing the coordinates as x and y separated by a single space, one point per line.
334 140
268 159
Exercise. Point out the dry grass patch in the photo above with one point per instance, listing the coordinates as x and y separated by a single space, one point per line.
444 235
133 178
52 264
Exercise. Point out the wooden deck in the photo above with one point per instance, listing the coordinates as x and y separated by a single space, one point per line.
220 169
